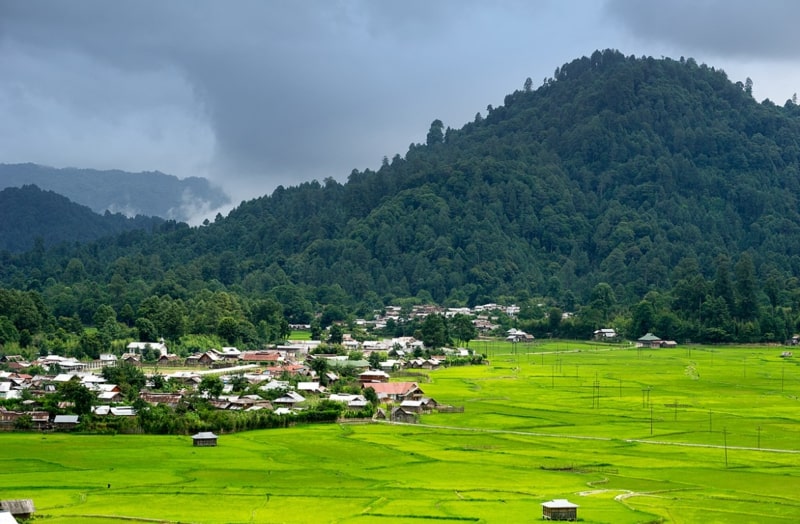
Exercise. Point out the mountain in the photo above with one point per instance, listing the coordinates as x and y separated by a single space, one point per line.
615 171
28 213
654 193
147 193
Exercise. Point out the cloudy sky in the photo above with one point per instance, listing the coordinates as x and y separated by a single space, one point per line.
256 93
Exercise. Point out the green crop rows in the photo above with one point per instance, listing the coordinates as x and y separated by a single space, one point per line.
707 435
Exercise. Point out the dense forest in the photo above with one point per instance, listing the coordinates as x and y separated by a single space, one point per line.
28 215
647 194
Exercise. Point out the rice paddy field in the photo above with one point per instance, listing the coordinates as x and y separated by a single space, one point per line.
681 435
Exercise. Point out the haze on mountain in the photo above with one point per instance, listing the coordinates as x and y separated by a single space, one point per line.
255 94
131 194
654 189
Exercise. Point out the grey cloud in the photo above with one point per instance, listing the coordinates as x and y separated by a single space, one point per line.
253 93
288 91
723 28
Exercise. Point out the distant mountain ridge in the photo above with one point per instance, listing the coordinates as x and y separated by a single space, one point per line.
149 193
28 214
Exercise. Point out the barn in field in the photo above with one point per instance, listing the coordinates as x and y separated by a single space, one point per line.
559 509
204 439
20 508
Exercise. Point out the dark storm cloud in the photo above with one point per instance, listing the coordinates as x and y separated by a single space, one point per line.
253 93
724 28
257 93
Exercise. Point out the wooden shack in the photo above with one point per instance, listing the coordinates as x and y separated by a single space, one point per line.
559 509
20 508
204 439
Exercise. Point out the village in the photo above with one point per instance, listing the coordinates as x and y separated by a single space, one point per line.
284 380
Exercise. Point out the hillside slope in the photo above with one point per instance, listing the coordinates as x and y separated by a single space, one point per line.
641 173
28 214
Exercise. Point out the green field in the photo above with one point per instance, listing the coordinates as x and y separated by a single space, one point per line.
631 436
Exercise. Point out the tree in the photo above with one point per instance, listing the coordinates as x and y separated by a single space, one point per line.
228 329
436 133
434 331
91 344
371 396
316 329
746 300
374 360
211 385
462 328
528 85
8 331
103 314
722 286
335 334
75 392
320 366
239 383
146 330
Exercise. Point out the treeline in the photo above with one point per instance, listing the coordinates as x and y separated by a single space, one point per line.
651 176
31 218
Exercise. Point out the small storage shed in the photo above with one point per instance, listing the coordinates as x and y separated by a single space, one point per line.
203 439
22 508
559 509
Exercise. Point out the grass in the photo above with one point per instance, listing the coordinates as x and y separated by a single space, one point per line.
572 422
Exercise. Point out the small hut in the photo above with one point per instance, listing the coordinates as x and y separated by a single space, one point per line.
559 509
649 340
20 508
204 439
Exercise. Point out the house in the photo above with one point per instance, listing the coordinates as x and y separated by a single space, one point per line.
310 387
204 439
399 414
140 347
412 406
352 401
109 396
108 359
39 419
65 422
559 509
516 335
605 334
290 398
261 356
132 358
170 359
168 399
649 340
20 508
209 358
395 391
373 376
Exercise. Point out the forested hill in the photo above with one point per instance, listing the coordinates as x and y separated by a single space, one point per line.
147 193
613 171
28 214
645 174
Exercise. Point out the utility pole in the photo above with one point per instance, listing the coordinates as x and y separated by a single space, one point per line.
725 441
